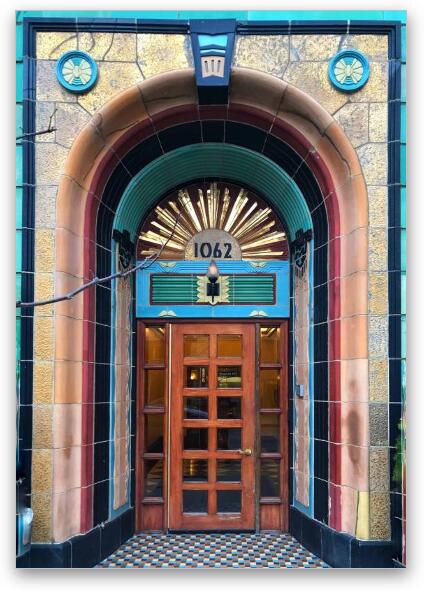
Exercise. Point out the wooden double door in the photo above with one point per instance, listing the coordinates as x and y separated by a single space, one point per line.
212 438
212 431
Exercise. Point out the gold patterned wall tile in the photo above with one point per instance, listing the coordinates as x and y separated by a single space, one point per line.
42 469
111 47
52 45
313 48
44 290
378 122
378 293
353 118
161 53
70 119
379 469
45 207
376 89
377 205
44 120
49 163
43 383
43 338
377 249
267 53
42 426
113 79
44 250
375 47
378 376
96 45
378 424
379 516
373 159
41 504
378 331
48 87
312 78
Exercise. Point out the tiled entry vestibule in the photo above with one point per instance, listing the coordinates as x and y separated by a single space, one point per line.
214 550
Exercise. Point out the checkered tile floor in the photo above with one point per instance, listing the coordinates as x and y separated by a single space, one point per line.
215 550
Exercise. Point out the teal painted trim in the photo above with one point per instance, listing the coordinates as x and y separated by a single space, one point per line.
19 43
403 336
403 292
403 249
19 166
403 83
206 40
18 341
403 44
403 164
19 195
403 380
19 119
245 15
225 161
19 82
18 250
403 123
403 207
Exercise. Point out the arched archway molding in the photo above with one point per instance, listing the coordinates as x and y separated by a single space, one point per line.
280 111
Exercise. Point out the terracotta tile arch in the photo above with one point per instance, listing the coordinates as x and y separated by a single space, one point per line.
165 100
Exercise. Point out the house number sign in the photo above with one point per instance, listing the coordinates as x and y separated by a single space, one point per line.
212 244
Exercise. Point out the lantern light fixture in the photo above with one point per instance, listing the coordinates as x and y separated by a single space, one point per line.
213 276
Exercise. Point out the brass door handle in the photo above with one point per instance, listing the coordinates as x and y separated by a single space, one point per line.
245 452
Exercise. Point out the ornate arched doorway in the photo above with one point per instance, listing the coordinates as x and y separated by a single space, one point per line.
282 144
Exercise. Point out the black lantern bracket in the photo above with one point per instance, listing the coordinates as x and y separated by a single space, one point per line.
126 247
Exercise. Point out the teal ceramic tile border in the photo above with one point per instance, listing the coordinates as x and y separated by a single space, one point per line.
403 207
243 15
19 208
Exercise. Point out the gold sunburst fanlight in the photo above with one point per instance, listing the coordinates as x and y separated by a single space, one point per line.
216 220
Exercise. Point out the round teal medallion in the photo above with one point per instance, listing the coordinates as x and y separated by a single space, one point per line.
349 70
76 71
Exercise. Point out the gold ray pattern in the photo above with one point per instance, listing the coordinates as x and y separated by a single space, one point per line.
219 206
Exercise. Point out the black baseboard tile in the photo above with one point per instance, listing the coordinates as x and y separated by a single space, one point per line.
23 561
127 525
110 538
82 551
365 554
338 549
51 555
86 549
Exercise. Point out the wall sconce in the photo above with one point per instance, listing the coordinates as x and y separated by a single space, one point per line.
212 275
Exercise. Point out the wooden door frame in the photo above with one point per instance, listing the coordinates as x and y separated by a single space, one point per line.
284 424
